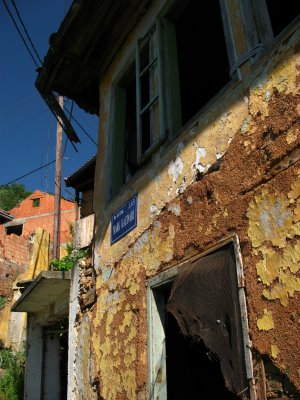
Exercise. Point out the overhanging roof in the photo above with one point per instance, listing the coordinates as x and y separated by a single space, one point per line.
5 216
43 291
83 178
84 45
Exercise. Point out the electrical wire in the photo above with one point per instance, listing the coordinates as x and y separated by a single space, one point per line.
29 173
20 33
26 32
37 66
80 126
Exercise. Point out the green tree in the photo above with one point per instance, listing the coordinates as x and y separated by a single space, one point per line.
12 195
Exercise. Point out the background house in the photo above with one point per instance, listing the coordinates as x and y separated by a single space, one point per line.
37 210
198 105
25 251
46 301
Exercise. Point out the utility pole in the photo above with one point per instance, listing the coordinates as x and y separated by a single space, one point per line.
57 195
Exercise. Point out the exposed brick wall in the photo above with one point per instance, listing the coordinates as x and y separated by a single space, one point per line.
1 241
14 258
46 222
16 249
26 208
42 216
8 273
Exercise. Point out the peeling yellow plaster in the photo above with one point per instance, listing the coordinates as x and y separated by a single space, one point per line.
268 268
143 251
273 218
202 146
265 323
281 79
129 383
295 189
270 219
126 321
286 286
274 351
292 135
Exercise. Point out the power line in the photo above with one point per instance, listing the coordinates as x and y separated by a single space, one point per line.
80 126
36 64
29 173
20 33
30 53
26 32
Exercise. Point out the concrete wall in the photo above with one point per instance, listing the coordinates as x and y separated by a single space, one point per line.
34 361
84 230
235 169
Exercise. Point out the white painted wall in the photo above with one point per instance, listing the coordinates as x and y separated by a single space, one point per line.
51 382
34 360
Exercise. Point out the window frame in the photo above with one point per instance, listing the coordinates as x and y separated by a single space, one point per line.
36 202
157 59
156 349
170 125
258 29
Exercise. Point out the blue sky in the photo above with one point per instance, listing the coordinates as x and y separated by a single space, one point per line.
27 127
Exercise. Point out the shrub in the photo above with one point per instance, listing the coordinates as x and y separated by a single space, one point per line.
69 261
11 374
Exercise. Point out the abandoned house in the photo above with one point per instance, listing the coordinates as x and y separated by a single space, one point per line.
193 285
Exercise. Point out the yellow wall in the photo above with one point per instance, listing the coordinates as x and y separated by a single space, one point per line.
254 131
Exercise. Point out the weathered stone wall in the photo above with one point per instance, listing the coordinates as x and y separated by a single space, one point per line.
235 170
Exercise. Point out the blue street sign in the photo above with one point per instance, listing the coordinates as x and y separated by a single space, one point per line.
124 219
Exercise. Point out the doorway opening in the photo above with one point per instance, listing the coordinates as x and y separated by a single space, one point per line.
193 372
198 343
55 361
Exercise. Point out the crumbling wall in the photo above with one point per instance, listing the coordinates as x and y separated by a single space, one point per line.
15 258
81 381
235 170
24 260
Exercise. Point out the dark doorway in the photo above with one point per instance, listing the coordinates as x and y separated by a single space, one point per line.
192 371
